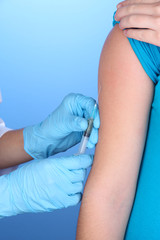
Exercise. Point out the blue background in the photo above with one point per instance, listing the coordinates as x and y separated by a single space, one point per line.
47 49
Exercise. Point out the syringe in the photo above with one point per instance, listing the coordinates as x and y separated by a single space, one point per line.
87 133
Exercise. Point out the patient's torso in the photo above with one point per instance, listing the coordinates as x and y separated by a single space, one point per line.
144 222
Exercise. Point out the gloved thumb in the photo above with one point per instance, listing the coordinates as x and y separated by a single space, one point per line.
92 157
77 124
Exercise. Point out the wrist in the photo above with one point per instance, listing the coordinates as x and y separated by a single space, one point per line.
35 144
12 149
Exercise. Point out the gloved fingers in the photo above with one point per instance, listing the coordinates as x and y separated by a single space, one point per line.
94 137
77 175
64 200
83 107
60 200
86 103
76 123
78 103
73 200
90 145
96 122
77 162
86 114
74 188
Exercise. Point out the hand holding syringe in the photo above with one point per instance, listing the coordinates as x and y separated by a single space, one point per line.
88 131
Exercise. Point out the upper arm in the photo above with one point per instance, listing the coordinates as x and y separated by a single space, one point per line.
126 94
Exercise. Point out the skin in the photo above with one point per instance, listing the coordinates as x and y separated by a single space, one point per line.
12 149
141 14
124 104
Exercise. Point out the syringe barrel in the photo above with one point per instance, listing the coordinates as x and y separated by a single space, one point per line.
88 131
83 145
85 138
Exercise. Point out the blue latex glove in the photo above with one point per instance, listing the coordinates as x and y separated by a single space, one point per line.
43 185
63 128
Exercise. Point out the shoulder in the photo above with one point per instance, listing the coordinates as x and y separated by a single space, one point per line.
118 62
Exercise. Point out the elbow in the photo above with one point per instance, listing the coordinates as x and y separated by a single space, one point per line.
105 193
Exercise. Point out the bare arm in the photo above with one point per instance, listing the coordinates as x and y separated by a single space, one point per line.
12 149
124 102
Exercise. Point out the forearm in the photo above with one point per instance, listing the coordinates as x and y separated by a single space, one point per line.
12 149
124 104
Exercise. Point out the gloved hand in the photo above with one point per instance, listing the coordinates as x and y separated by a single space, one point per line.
63 128
43 185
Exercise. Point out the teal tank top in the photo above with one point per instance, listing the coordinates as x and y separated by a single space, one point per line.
144 221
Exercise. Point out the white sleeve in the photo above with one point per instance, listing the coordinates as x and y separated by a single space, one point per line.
3 130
